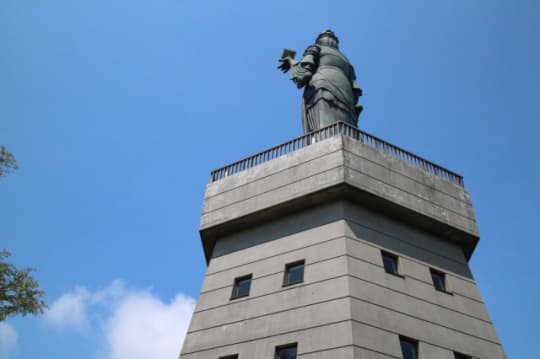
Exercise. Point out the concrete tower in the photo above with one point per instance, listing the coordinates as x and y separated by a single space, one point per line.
338 244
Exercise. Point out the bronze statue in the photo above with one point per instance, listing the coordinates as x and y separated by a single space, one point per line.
330 90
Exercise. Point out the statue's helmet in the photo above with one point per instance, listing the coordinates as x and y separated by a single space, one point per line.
327 38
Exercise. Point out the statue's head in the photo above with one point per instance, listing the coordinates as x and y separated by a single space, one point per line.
328 38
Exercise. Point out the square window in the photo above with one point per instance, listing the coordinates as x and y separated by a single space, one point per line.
234 356
439 280
241 287
390 262
409 348
461 356
286 351
294 273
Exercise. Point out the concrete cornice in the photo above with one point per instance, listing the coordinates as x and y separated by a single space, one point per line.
338 168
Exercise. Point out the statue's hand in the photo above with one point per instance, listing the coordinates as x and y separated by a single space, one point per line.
285 64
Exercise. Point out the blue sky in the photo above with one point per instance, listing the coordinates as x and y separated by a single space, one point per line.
118 110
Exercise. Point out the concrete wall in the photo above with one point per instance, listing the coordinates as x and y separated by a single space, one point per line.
336 204
407 186
346 292
386 306
274 314
337 160
291 176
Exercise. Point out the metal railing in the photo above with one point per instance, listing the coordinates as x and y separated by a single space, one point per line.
338 128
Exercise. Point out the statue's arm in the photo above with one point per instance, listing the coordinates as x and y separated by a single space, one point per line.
302 71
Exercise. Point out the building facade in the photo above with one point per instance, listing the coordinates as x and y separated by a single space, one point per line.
338 245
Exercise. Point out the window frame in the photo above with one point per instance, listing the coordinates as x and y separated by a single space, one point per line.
409 340
236 286
444 289
285 346
288 266
395 257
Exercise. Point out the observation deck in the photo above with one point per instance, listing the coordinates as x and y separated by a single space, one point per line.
335 129
338 163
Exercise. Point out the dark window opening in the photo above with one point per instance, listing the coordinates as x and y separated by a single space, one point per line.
390 262
286 351
461 356
241 287
409 348
233 356
439 280
294 273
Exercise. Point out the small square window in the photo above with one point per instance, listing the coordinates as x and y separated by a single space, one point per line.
286 351
409 348
390 262
234 356
241 287
294 273
461 356
439 279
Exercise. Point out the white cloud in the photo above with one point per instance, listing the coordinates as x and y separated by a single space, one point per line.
69 311
142 326
134 323
8 340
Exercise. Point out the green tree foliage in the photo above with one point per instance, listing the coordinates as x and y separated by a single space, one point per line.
19 292
7 161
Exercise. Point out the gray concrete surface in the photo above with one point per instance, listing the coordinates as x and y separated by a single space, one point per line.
337 167
336 205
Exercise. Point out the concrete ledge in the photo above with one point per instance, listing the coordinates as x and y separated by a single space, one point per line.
324 271
258 243
272 303
401 324
311 340
333 169
276 264
312 316
382 300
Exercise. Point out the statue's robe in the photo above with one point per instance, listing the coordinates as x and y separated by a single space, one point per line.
330 89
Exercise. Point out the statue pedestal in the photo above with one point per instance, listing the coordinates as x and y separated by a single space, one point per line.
336 208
